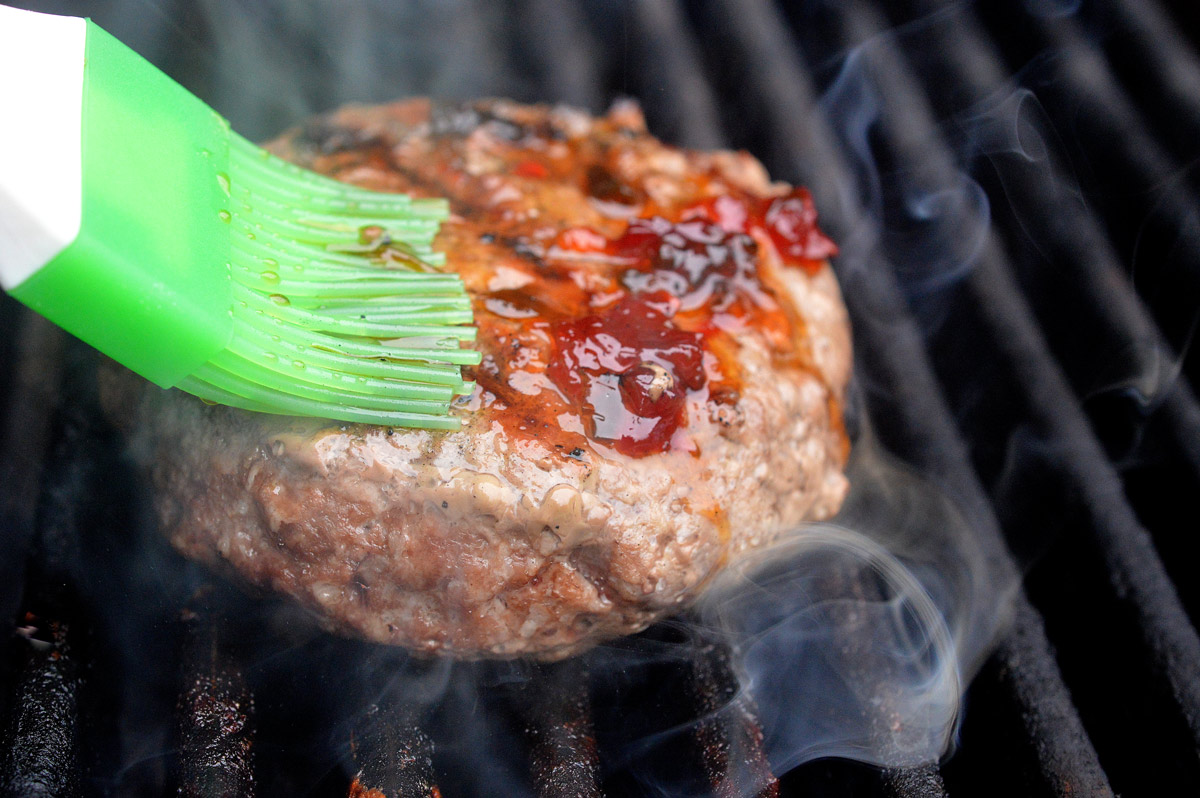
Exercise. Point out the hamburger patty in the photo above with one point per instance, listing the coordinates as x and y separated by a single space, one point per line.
664 358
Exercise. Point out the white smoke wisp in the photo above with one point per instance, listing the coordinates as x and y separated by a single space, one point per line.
842 649
856 638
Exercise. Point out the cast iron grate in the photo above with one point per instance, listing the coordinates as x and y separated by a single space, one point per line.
1048 387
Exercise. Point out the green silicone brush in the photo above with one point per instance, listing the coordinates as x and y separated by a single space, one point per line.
133 217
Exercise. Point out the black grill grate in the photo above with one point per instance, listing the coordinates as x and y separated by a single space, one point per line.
216 712
1047 385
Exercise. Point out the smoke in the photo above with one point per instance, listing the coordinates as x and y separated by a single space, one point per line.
1130 376
1010 123
1052 8
853 100
908 202
856 638
852 639
842 650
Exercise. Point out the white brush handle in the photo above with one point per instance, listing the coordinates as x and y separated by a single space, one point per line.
41 150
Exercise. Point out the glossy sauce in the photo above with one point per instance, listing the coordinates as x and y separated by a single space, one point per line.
602 336
680 287
790 221
628 371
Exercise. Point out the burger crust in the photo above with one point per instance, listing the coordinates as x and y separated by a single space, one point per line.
493 541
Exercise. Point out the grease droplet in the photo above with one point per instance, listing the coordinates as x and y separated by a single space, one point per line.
223 182
270 278
298 364
280 299
225 216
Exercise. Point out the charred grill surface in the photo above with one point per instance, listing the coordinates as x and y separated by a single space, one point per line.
34 350
1123 545
393 753
921 782
41 741
556 715
42 733
216 712
728 733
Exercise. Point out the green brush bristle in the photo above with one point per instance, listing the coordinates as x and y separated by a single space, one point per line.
338 308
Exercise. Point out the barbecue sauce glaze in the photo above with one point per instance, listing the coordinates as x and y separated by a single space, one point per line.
681 285
611 329
664 297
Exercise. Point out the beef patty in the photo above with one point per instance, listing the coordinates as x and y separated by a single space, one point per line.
664 357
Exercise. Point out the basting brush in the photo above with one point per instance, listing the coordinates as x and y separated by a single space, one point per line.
133 217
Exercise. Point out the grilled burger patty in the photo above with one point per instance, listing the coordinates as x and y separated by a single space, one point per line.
664 357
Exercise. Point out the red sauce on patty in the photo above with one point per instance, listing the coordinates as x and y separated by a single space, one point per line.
673 290
604 334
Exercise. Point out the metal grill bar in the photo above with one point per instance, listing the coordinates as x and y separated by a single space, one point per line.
41 742
1066 761
1163 68
26 439
1076 241
920 782
728 734
1132 563
564 57
216 710
1186 16
1151 211
1134 566
556 715
666 62
771 82
1081 240
393 753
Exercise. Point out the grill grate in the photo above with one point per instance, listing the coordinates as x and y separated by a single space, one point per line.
1046 383
393 753
215 716
731 738
42 754
557 720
